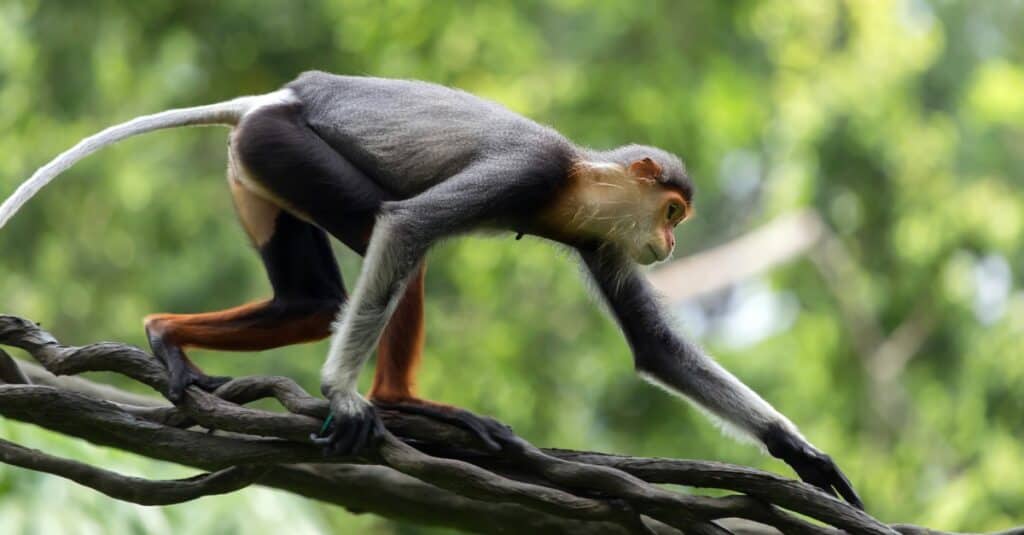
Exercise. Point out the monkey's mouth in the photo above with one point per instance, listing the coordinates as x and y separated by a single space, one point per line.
654 255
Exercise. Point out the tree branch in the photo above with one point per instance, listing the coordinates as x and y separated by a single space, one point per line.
422 470
133 489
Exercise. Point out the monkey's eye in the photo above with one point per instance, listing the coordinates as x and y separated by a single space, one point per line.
674 213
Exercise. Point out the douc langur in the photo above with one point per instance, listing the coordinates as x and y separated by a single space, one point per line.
390 167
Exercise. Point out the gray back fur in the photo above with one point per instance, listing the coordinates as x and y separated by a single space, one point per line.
411 135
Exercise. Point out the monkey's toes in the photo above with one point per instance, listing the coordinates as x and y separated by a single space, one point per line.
180 379
492 433
349 434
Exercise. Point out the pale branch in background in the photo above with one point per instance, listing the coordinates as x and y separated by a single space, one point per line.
787 237
805 234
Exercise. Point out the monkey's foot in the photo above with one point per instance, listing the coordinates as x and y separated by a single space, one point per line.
180 380
491 432
181 373
352 426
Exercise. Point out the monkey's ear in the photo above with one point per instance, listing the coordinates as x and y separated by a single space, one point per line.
646 169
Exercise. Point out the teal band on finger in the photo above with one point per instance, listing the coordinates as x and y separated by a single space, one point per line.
327 423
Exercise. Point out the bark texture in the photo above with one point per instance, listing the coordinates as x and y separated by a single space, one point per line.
422 470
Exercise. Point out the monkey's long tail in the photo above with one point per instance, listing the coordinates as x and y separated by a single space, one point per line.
223 113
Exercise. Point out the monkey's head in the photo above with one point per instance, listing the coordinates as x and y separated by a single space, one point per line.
631 198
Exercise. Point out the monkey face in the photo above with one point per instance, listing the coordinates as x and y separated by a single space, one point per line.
628 206
659 210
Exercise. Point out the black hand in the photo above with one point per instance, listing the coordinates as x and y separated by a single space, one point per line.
811 465
349 434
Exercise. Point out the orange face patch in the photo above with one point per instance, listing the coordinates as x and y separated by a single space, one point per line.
629 207
685 207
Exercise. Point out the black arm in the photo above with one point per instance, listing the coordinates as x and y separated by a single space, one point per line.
673 362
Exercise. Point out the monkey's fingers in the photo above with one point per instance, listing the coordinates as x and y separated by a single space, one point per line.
349 434
209 383
812 465
322 440
181 378
819 470
181 373
842 485
492 433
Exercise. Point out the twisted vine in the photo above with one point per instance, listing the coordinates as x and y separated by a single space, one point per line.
421 470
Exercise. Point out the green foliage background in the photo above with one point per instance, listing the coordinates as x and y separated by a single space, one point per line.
901 122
